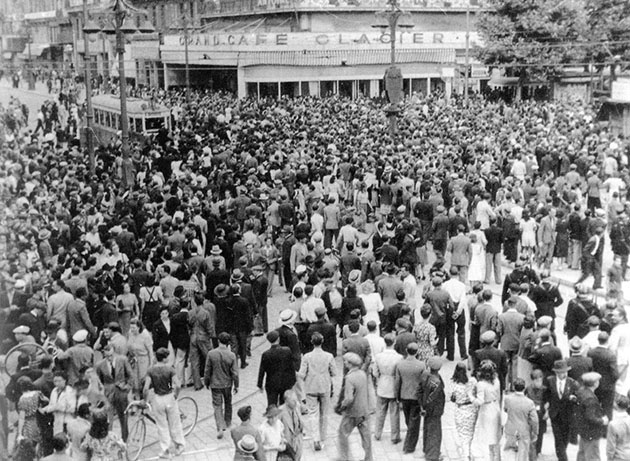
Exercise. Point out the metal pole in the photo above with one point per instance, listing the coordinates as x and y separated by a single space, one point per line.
467 53
31 83
89 116
186 57
127 166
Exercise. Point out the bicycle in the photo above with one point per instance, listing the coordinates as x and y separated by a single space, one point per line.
188 412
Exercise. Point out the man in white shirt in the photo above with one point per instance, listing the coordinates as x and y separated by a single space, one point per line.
310 304
457 290
409 285
384 371
485 211
377 343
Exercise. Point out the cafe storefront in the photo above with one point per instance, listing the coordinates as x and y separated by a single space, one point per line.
350 64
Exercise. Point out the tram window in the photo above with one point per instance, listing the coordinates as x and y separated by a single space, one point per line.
137 125
116 121
108 119
154 123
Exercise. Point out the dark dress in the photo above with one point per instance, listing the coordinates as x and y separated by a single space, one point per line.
561 249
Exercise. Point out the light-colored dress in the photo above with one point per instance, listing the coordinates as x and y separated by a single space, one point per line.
465 414
109 448
528 233
140 353
477 268
488 426
373 305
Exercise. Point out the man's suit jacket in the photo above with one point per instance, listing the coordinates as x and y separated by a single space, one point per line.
605 363
121 376
544 357
277 366
579 365
461 250
522 418
161 337
180 334
328 331
498 357
237 433
560 408
547 230
360 346
589 415
408 377
78 318
510 325
494 235
289 338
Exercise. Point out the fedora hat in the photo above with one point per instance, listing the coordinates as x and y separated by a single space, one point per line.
560 366
237 276
43 234
272 410
247 444
216 250
354 276
221 290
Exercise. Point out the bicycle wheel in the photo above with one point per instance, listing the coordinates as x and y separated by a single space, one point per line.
34 351
189 413
135 440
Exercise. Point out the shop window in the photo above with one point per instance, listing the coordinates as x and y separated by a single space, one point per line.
419 85
252 90
406 87
327 88
437 85
364 88
305 89
345 88
291 89
269 89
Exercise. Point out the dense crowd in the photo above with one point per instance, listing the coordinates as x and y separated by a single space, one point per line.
388 250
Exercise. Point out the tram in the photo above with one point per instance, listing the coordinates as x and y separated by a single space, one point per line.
145 118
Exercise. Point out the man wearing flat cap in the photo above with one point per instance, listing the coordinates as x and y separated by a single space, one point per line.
354 407
77 357
590 418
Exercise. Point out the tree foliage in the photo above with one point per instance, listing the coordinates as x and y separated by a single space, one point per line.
609 21
534 37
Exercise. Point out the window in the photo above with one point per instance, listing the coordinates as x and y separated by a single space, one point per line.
154 123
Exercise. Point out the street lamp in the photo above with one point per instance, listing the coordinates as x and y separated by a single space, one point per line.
123 24
89 27
393 75
31 74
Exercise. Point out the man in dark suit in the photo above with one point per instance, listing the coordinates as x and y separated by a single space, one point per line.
289 337
116 374
408 374
560 398
605 363
545 355
260 286
432 401
276 370
326 329
494 235
578 363
490 352
359 345
591 419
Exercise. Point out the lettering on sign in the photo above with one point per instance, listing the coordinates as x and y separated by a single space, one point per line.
307 40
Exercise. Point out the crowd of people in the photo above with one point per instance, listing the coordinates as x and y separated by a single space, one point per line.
388 250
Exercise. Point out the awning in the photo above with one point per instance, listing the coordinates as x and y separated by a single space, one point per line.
41 15
36 49
308 58
8 55
511 82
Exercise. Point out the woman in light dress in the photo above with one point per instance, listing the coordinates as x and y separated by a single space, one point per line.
373 304
140 344
463 396
477 268
487 435
528 228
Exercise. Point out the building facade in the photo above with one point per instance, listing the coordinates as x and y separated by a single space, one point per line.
313 47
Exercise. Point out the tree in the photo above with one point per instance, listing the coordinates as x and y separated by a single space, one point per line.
533 38
609 21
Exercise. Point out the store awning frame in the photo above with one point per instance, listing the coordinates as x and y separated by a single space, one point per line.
333 58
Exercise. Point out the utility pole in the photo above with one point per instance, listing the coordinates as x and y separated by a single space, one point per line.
89 116
467 65
185 19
